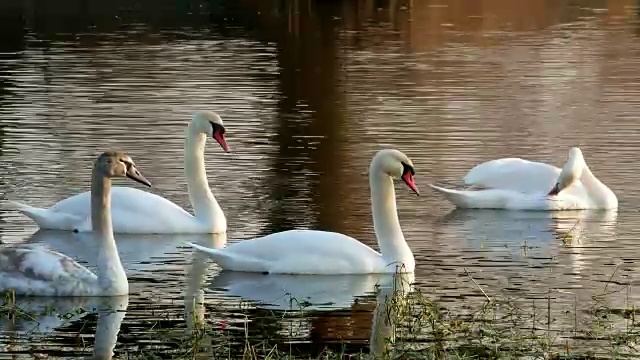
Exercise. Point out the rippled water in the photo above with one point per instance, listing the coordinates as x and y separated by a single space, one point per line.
308 93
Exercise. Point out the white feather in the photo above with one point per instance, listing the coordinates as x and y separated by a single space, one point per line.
33 270
323 252
135 211
517 184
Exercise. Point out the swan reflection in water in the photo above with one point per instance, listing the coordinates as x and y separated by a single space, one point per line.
50 314
41 316
321 295
194 310
568 257
297 292
493 230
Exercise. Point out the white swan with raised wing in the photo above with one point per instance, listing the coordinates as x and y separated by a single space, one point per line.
139 212
322 252
37 271
518 184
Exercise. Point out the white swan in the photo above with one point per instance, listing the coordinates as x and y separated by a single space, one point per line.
322 252
517 184
139 212
37 271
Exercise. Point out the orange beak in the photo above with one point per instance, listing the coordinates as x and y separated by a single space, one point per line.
219 136
408 179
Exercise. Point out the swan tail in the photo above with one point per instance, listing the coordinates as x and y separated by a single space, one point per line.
232 261
46 219
15 205
459 198
213 252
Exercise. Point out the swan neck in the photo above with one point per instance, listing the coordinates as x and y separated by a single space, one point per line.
598 191
101 207
112 278
588 178
204 203
393 246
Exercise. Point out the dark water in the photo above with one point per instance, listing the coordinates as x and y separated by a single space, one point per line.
309 90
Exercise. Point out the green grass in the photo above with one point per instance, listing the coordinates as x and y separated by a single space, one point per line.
411 326
419 328
12 310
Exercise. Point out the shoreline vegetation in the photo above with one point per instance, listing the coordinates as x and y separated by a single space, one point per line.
406 324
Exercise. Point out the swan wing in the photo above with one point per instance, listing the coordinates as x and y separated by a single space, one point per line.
300 252
38 271
122 198
513 174
134 221
478 199
512 200
132 210
47 219
233 261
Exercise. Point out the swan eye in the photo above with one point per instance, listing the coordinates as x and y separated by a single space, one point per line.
217 128
406 168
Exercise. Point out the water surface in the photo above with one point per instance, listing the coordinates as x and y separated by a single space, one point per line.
309 91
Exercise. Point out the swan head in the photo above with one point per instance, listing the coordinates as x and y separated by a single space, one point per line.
113 164
210 123
571 171
397 165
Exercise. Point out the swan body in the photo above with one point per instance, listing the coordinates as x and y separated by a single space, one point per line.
528 177
323 252
273 254
128 207
139 212
518 184
36 271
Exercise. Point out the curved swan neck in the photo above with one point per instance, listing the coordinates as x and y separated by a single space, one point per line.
571 171
111 274
393 246
597 190
204 204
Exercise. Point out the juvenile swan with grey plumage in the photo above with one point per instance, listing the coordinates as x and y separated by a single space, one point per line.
36 271
139 212
322 252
